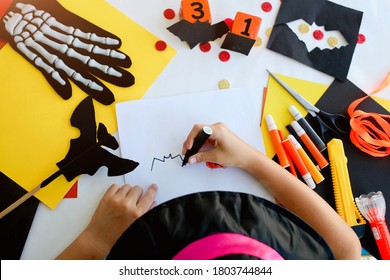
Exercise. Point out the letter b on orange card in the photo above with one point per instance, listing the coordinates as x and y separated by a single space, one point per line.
195 10
246 25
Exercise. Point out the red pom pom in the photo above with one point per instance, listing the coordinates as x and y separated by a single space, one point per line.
266 7
206 47
160 46
224 56
169 14
318 35
361 39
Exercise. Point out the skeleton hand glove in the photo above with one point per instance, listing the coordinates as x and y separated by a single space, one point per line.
63 52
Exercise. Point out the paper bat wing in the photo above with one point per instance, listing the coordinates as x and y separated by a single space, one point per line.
198 32
85 156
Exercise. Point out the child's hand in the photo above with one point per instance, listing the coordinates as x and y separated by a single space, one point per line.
118 209
223 147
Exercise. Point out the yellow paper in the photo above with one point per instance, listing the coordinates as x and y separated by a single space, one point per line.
35 120
385 103
278 100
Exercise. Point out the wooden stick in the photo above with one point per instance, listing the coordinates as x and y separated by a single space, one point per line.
50 179
19 201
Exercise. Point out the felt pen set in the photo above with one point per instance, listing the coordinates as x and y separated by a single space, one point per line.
290 154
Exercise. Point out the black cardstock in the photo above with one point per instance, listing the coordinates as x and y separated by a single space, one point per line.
238 43
198 32
335 62
68 18
367 173
86 154
15 226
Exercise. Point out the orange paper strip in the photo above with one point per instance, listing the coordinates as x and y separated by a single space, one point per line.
370 132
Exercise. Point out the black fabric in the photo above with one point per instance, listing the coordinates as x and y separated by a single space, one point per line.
165 230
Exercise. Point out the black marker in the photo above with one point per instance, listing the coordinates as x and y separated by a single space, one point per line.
200 139
306 126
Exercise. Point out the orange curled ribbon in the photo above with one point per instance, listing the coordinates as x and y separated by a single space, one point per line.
370 132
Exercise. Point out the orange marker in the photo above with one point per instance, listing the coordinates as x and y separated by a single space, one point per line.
291 168
276 142
318 157
315 173
195 10
292 152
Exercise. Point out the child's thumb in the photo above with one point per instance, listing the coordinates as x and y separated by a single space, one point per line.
201 157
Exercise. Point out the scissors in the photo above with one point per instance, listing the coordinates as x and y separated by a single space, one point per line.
331 125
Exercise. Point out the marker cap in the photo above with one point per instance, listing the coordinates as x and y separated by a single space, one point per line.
270 122
295 142
307 128
298 129
309 180
207 130
295 113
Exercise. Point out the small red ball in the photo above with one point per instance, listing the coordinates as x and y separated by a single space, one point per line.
206 47
361 39
224 56
160 46
266 7
318 35
169 14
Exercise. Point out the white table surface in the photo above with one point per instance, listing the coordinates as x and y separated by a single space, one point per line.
53 230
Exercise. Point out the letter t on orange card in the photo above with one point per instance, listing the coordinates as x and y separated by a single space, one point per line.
276 142
195 10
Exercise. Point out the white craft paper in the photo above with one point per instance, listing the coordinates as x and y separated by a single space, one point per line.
152 132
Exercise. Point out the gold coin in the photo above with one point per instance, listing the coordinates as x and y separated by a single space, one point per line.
268 31
333 42
258 42
304 28
224 84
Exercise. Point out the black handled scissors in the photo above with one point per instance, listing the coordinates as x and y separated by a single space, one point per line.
331 125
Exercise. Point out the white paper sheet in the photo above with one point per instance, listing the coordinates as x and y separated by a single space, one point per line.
152 132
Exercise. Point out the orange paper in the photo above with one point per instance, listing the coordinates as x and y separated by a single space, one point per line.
194 11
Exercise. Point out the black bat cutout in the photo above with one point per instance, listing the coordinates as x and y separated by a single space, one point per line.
86 154
198 32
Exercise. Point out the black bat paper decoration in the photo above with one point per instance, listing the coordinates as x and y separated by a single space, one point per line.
88 152
331 16
85 155
198 32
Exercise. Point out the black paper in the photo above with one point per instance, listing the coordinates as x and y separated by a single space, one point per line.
238 43
367 173
198 32
335 62
85 154
15 226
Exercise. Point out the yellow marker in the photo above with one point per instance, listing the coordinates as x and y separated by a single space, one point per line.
345 203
